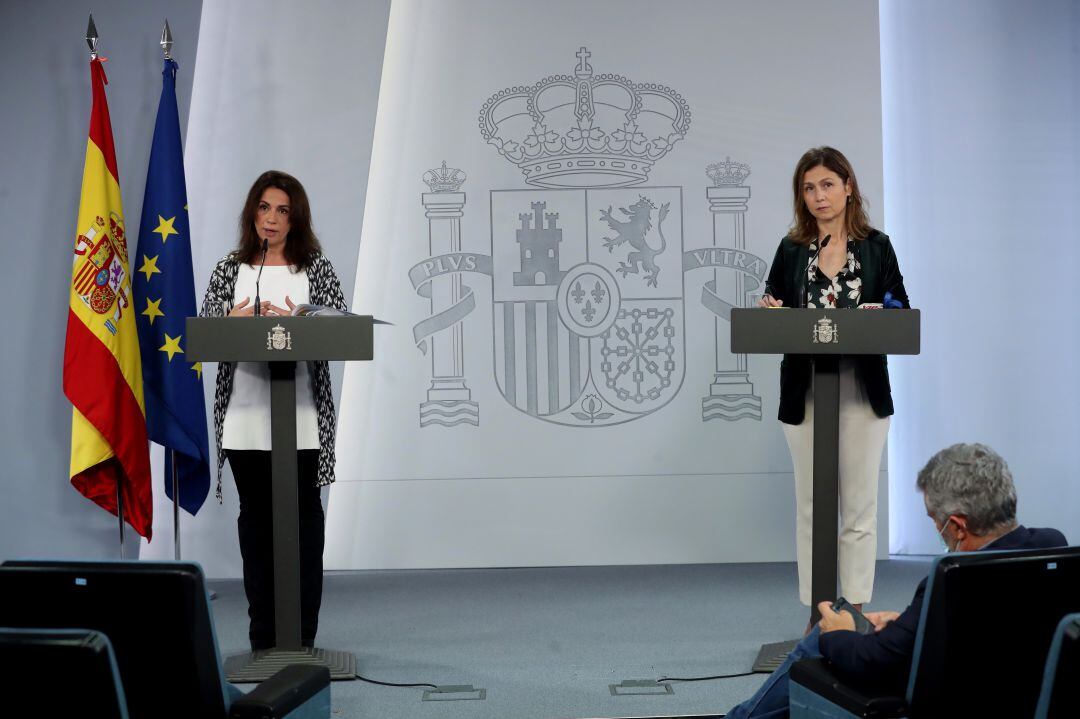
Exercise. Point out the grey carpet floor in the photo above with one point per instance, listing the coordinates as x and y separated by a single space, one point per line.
547 643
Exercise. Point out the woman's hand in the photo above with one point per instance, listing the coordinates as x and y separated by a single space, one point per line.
242 310
281 311
769 301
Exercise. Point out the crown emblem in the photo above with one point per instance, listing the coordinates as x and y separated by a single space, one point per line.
728 173
585 130
444 179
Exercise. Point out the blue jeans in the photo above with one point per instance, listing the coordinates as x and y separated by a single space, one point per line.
771 700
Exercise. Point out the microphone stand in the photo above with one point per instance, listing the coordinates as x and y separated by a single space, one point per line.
801 286
262 263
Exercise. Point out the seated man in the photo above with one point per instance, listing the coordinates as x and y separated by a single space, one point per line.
969 494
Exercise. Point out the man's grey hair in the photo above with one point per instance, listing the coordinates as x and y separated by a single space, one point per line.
971 480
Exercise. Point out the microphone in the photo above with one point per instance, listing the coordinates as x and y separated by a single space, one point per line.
262 263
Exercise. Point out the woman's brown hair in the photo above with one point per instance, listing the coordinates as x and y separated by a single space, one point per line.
301 245
804 229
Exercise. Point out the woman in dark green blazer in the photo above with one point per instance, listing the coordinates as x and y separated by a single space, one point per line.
833 258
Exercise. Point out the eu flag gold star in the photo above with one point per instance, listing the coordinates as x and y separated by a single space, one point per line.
198 369
172 345
153 310
149 266
165 228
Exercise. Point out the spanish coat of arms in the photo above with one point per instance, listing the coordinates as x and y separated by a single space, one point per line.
587 264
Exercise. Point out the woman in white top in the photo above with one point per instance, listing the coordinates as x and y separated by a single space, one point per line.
277 217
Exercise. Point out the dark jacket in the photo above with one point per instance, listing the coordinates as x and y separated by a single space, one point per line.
883 659
880 273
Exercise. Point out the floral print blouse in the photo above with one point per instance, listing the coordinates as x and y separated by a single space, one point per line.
841 292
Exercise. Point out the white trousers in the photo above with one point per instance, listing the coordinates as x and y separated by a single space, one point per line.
862 438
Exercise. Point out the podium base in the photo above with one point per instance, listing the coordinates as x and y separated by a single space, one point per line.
771 656
254 667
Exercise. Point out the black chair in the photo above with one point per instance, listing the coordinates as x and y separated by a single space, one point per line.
157 617
34 660
1060 696
986 626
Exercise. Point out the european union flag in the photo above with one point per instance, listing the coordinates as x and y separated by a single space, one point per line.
164 296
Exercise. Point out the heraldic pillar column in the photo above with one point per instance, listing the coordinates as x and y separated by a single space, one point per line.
448 394
731 394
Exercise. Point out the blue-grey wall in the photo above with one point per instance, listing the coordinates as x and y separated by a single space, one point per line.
981 125
45 83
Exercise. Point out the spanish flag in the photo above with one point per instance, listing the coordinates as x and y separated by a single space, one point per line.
102 369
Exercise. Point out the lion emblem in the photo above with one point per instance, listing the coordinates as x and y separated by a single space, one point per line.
642 259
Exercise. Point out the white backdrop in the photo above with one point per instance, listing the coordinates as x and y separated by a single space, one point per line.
436 467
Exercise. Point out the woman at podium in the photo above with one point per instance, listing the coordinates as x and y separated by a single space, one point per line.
833 258
279 260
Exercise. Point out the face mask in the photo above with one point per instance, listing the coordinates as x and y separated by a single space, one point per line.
944 544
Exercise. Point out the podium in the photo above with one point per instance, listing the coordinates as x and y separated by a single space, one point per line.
282 342
825 334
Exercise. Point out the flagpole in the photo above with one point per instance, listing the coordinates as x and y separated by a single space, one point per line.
166 43
92 42
120 516
175 507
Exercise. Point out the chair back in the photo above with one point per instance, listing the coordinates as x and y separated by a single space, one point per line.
987 623
1060 696
61 672
155 614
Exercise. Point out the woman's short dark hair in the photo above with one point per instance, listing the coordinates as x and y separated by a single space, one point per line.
804 229
970 480
301 244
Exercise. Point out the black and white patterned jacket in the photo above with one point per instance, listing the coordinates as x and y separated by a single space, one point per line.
324 288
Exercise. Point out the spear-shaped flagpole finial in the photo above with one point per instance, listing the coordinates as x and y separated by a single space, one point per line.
92 38
166 40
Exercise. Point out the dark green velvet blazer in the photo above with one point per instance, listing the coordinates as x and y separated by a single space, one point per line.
880 273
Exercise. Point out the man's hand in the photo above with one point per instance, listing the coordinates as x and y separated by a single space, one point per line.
834 621
881 619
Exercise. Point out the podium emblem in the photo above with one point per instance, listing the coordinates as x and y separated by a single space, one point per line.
278 339
825 332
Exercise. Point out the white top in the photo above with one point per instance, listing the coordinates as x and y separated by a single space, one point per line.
247 420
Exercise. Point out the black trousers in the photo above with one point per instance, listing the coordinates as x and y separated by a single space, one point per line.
251 470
